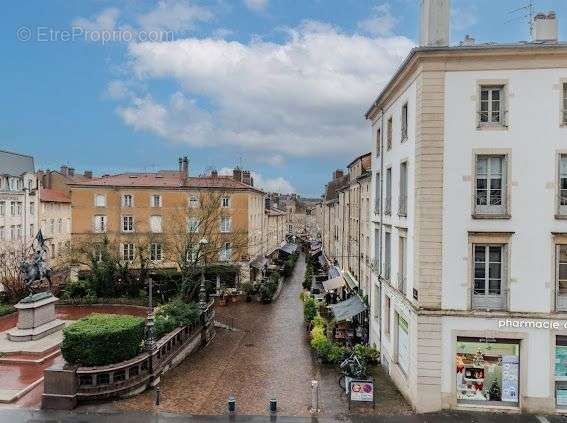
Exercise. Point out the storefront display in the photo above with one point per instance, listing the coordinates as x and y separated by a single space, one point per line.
561 371
488 370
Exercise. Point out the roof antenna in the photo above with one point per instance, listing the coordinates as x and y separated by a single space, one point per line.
525 12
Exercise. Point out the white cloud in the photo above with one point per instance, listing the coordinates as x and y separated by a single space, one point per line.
116 90
382 22
256 5
173 15
106 20
305 96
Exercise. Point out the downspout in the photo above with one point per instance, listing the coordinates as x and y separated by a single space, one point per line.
381 222
359 225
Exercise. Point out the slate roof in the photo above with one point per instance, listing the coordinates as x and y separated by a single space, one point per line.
15 164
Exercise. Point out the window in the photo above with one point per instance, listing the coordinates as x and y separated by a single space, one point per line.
564 104
2 233
561 276
19 231
12 232
225 202
128 252
156 200
100 200
12 208
378 141
388 206
52 226
100 224
225 224
31 230
127 200
225 253
53 253
59 225
19 208
193 202
155 251
491 102
404 122
192 225
127 223
403 200
2 208
155 224
387 254
489 279
32 208
490 184
402 265
402 347
563 184
377 194
389 129
387 307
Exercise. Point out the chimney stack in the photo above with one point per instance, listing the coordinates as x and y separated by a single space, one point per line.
185 169
468 41
545 27
88 174
237 174
180 165
435 17
214 173
338 174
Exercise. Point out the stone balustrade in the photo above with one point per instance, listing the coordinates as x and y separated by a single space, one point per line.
65 385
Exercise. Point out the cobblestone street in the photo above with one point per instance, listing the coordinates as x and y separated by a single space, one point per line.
268 356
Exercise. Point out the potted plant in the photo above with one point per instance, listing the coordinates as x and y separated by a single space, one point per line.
247 289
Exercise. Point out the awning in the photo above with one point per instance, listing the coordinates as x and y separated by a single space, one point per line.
259 262
316 251
350 280
322 260
289 248
346 310
333 272
334 283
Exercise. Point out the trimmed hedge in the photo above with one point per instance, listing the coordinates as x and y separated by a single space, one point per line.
6 309
101 339
174 314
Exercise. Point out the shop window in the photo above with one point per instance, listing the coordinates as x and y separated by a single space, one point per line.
561 372
403 345
488 371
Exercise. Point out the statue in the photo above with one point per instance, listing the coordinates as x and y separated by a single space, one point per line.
37 269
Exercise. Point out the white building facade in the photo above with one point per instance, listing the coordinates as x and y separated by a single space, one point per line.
469 229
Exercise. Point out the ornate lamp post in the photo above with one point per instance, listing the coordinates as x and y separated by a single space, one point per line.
203 292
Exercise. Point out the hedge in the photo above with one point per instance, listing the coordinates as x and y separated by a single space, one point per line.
6 309
174 314
101 339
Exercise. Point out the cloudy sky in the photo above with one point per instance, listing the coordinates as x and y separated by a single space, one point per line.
276 86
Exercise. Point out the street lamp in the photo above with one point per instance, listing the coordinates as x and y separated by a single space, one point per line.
202 292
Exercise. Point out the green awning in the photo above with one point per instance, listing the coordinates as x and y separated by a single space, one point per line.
351 282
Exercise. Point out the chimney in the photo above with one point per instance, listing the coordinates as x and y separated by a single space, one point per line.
545 27
214 173
435 16
180 165
71 171
468 41
237 174
88 174
268 203
246 177
185 167
64 170
338 174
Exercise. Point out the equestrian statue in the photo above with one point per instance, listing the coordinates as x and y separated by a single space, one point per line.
35 270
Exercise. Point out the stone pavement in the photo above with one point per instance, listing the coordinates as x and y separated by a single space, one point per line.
30 416
269 357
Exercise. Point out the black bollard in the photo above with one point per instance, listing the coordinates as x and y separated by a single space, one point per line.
157 395
273 406
231 405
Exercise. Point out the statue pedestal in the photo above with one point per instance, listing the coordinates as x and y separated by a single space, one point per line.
36 318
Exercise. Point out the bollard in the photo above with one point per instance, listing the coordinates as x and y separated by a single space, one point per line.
314 396
231 405
157 395
273 406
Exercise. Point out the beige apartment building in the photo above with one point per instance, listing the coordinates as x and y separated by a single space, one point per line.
344 222
55 223
159 211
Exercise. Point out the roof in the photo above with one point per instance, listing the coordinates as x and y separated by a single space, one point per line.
333 272
362 156
15 164
259 262
334 186
493 48
53 196
347 309
274 212
164 179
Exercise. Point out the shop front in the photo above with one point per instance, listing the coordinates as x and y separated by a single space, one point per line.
487 371
561 372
